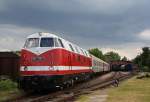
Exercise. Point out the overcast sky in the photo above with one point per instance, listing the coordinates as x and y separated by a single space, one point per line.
119 25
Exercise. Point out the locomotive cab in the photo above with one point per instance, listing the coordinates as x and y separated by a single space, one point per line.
40 51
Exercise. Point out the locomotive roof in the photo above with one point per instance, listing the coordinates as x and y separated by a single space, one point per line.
42 34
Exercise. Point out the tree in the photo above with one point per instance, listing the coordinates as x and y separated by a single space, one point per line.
112 56
143 60
124 58
145 56
97 53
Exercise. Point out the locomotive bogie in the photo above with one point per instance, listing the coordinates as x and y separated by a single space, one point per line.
33 83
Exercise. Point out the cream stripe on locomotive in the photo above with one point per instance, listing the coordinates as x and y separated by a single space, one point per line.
52 68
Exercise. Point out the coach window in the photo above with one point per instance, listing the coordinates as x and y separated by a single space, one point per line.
47 42
94 63
71 47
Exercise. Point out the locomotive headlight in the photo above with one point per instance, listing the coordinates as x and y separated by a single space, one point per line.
25 68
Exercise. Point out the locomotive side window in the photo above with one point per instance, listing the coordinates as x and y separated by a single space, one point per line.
77 50
32 42
71 47
60 42
47 42
82 52
56 43
86 53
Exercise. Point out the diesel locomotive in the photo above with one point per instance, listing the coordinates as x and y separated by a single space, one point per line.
49 61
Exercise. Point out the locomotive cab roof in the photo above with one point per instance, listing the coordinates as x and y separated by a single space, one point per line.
66 44
42 34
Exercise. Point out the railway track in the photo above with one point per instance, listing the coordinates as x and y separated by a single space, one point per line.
83 88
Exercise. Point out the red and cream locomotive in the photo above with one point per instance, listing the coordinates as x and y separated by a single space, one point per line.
49 61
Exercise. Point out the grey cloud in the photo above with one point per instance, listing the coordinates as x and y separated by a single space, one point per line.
85 22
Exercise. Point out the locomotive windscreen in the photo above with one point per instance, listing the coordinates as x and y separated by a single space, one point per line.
47 42
32 42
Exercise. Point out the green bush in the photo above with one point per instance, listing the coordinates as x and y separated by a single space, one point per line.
146 69
7 85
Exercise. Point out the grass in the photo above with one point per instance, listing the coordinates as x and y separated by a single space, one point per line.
133 90
8 89
7 85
